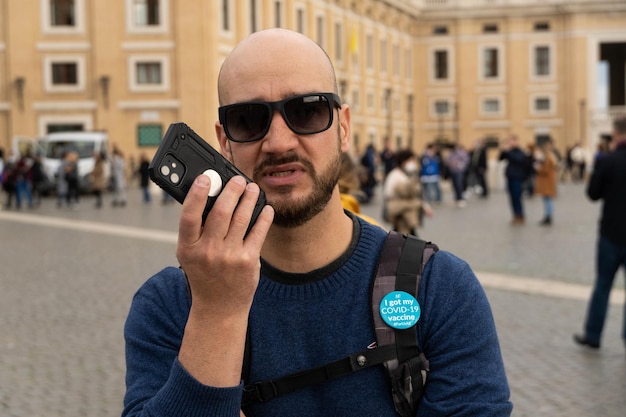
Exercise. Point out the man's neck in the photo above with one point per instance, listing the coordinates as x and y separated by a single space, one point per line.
312 245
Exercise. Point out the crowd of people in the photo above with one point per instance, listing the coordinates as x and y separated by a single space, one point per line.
24 180
534 170
411 183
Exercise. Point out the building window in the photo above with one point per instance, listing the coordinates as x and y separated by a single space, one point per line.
440 30
395 52
490 63
62 13
490 28
338 41
542 26
441 65
542 61
441 107
149 73
319 28
300 21
149 135
278 14
254 16
64 73
408 62
146 12
491 106
369 40
542 104
386 100
225 15
355 100
62 16
146 16
383 55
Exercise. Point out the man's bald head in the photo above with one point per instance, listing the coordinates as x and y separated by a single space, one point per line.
269 56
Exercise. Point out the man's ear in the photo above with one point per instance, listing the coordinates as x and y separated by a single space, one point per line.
223 141
344 127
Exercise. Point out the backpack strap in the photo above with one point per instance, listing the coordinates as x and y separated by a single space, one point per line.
395 347
400 269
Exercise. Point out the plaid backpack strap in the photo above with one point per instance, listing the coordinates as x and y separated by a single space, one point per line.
400 268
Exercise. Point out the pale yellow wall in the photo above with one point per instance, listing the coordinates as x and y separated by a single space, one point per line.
194 47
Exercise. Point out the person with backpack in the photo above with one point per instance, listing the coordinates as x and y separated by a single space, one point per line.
292 297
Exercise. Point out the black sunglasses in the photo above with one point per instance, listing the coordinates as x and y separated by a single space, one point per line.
305 114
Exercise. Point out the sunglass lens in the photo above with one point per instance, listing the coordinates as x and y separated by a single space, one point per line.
247 121
308 114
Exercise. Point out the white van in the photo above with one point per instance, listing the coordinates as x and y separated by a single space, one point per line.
53 146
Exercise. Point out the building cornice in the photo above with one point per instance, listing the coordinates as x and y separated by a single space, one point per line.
61 106
63 46
148 104
464 9
151 46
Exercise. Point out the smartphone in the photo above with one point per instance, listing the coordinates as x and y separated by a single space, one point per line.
182 156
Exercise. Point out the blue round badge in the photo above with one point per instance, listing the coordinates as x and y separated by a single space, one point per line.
400 310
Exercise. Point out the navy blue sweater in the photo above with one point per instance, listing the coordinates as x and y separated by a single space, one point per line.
298 326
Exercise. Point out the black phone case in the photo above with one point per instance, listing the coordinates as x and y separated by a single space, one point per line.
182 156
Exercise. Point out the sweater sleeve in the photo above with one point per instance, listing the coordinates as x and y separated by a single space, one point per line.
156 383
458 336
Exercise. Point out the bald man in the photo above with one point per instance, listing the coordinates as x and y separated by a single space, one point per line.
298 285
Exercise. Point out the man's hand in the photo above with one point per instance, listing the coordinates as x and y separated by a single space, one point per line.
223 271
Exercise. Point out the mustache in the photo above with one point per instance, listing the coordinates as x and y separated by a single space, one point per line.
272 161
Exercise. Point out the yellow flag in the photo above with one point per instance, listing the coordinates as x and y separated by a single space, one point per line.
354 40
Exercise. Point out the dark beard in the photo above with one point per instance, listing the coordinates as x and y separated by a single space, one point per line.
294 214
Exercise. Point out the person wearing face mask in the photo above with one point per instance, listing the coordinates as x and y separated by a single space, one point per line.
402 192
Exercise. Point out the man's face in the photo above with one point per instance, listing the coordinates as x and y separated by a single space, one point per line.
297 172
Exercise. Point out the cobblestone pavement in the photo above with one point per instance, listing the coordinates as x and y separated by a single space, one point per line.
67 278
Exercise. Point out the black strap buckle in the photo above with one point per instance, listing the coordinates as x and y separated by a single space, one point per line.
260 392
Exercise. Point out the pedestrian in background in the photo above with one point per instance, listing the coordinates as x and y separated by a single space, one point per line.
98 177
457 162
387 158
40 179
529 182
403 205
349 189
72 178
607 183
24 179
546 167
516 173
478 168
429 174
8 179
61 182
118 177
368 177
144 177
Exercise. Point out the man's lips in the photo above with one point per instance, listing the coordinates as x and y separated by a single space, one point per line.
285 174
282 170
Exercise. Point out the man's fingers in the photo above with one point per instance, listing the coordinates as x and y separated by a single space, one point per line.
190 225
219 219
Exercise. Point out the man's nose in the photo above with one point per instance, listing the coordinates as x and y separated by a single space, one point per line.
279 138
